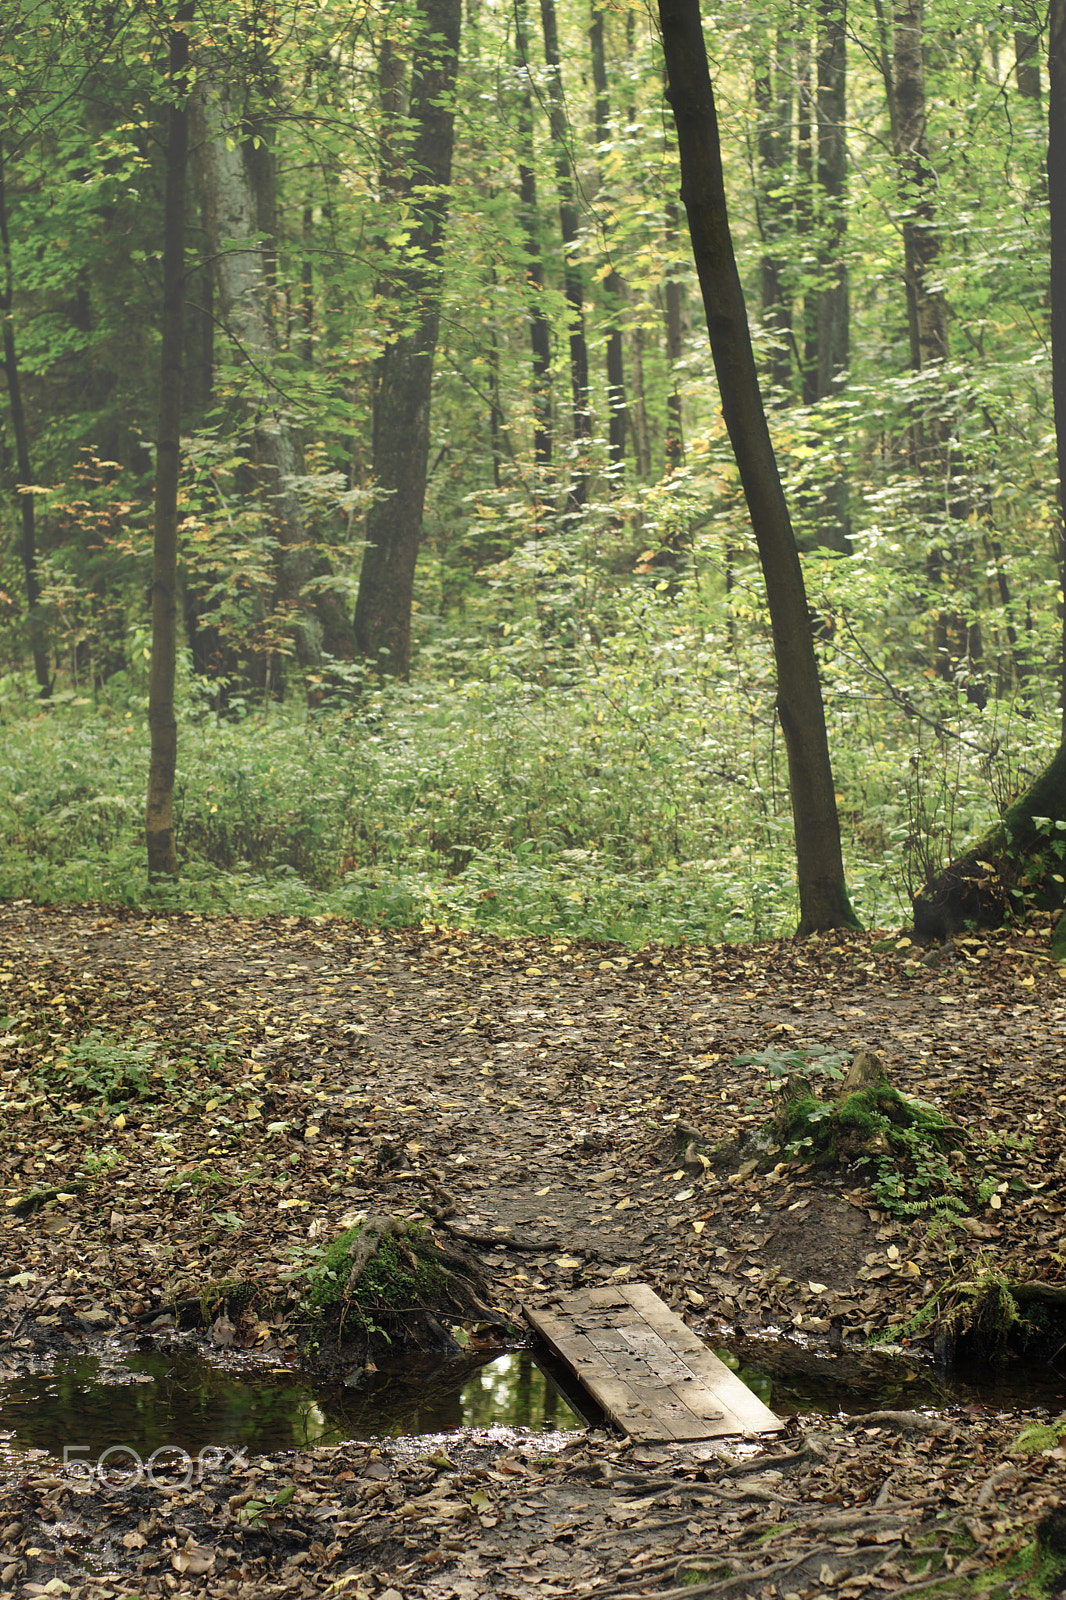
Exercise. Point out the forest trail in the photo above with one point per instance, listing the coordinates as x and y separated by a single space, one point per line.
263 1078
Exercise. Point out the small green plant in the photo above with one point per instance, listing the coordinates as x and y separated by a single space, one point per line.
99 1161
107 1071
806 1059
914 1175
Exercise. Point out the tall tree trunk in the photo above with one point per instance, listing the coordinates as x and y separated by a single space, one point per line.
23 473
573 278
828 356
1027 49
237 186
1056 182
675 422
637 408
823 896
403 379
831 317
955 639
926 307
773 105
804 208
540 338
162 721
613 287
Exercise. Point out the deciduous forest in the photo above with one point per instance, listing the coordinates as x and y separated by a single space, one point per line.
533 789
381 328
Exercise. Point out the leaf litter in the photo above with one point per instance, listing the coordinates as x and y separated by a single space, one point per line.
191 1099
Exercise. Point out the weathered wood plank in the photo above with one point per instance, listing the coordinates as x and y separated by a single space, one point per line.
649 1372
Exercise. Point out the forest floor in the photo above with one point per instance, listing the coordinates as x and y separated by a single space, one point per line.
522 1094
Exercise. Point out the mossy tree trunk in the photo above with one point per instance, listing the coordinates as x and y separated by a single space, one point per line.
1022 860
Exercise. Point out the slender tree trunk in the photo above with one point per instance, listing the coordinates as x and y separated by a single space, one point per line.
1056 182
827 369
23 472
773 105
926 307
831 317
675 422
638 409
613 287
237 185
823 896
540 338
1027 49
804 209
955 639
573 278
162 721
404 373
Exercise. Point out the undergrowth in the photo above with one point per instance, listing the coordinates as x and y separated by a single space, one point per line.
630 789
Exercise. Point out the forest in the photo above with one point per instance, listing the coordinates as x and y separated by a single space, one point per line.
380 323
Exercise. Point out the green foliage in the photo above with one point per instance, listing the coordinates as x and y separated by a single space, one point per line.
807 1059
106 1072
591 747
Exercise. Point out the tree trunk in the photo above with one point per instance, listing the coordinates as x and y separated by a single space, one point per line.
773 105
831 316
828 352
23 473
573 279
823 896
540 339
404 374
613 287
1027 49
162 722
675 421
237 184
926 307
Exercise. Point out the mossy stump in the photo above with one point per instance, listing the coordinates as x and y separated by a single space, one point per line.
388 1285
868 1122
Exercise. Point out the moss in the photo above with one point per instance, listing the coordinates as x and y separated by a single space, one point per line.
1037 1436
399 1273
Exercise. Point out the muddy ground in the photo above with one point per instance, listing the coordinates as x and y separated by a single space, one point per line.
190 1098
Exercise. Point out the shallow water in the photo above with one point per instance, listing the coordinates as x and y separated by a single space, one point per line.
175 1399
123 1408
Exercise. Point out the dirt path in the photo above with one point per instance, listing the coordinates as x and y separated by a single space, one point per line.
527 1091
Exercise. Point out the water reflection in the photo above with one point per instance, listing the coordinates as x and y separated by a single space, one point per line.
176 1399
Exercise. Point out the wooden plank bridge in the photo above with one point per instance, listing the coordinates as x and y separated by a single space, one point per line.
649 1372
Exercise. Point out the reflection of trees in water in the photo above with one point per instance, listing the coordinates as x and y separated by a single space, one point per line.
435 1396
190 1405
187 1404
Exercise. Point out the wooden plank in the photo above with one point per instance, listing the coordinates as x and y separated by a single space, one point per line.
649 1372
